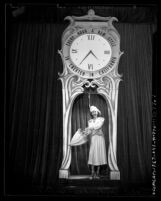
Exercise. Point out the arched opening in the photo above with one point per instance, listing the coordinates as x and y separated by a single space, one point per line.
79 119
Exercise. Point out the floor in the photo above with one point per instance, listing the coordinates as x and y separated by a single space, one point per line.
82 186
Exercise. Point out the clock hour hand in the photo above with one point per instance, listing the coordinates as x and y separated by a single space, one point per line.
93 54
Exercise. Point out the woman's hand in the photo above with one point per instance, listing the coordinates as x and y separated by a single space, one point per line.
88 130
84 133
79 129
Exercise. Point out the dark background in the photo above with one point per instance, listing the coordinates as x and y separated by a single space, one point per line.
33 109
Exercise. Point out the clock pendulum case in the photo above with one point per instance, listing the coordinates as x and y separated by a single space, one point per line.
90 53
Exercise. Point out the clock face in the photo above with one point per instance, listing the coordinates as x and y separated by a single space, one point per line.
90 52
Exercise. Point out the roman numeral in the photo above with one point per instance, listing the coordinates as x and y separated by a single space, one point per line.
67 58
90 37
90 66
74 51
106 52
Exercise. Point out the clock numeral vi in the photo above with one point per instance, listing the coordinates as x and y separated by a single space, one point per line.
90 66
90 37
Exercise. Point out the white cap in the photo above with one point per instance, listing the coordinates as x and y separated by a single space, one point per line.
93 108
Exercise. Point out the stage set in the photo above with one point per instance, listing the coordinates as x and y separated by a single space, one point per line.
84 37
80 67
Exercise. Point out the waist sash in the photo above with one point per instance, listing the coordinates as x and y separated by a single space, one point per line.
97 132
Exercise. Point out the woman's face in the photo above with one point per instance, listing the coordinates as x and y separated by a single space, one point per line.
94 113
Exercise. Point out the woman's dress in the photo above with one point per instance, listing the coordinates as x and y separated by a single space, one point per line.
97 152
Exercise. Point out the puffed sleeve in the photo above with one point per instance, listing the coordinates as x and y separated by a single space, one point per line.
90 125
87 130
99 123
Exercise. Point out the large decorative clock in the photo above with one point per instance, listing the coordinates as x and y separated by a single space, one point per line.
90 53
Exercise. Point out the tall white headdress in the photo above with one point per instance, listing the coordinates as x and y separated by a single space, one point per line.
93 108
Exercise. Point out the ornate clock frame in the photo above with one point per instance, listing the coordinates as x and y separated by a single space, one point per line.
107 82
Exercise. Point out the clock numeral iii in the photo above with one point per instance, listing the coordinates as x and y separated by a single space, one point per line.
90 66
106 52
90 37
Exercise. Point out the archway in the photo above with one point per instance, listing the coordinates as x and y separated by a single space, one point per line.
80 117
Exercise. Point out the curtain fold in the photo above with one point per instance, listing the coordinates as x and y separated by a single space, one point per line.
34 120
134 103
34 140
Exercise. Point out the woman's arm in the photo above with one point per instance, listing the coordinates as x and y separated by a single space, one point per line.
99 123
89 129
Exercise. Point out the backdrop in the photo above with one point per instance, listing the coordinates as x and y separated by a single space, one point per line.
34 137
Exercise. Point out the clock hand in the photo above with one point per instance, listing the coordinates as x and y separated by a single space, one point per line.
93 54
90 52
85 57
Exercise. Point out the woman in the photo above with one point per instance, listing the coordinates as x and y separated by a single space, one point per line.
97 152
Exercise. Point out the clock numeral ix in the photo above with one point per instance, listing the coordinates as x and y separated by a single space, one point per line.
90 66
74 51
67 58
90 37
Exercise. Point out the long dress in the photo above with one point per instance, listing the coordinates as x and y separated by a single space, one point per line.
97 152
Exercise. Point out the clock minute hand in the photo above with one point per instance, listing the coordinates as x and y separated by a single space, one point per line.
85 57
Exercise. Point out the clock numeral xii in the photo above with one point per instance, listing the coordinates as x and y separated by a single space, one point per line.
90 37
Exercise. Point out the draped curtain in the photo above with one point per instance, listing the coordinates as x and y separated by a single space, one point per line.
34 101
135 103
34 137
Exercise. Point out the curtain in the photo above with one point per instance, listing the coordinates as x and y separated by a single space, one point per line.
135 103
34 137
34 118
